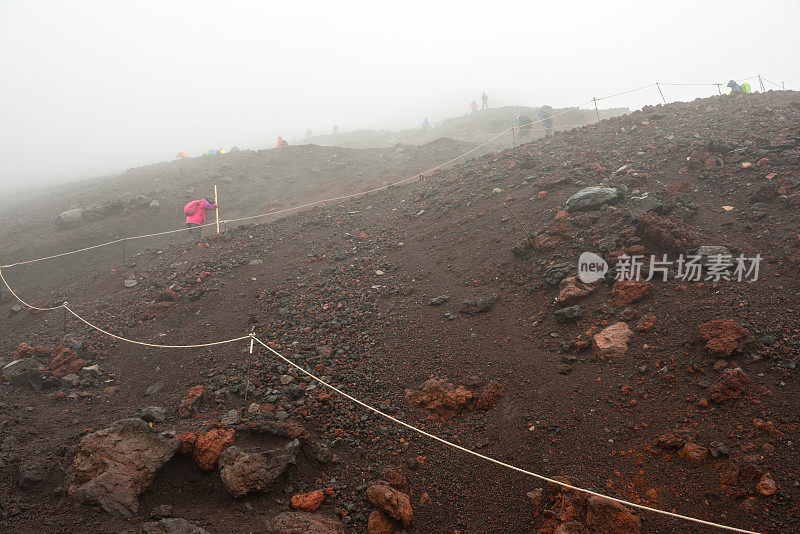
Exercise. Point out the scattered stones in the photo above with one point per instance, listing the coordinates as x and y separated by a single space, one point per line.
173 525
20 366
30 473
304 523
244 472
114 465
392 502
612 340
723 337
380 523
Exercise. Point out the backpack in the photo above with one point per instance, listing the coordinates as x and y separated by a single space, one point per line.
191 208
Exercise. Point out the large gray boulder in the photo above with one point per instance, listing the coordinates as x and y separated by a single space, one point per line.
243 472
592 198
70 218
114 465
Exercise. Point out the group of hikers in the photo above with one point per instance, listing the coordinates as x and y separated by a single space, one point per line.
484 103
525 124
737 89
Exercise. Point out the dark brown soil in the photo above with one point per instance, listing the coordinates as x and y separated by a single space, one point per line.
564 412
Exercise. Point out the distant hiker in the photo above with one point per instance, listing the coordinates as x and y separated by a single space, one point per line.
182 155
546 116
746 88
735 88
426 123
525 125
473 106
282 142
484 101
195 212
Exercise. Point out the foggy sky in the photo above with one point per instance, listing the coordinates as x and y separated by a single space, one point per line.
96 86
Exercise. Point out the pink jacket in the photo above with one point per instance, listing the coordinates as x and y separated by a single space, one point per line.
199 216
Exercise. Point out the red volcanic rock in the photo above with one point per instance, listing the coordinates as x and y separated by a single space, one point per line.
723 336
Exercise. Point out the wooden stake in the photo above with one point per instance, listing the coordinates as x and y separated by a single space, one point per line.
514 133
123 250
250 357
595 109
216 201
662 93
718 89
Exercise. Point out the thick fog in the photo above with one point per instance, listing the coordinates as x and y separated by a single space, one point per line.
95 87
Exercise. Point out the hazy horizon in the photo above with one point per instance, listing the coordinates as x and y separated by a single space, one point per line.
94 88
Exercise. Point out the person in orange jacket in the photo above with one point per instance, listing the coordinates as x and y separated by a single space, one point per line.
282 142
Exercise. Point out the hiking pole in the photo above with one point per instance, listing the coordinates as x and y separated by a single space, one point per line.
595 109
216 201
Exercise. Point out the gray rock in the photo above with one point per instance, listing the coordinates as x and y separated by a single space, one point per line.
255 262
30 474
244 472
70 381
131 282
20 366
591 198
231 418
558 272
155 205
152 390
638 206
569 314
713 250
70 218
153 414
286 379
438 301
114 465
16 308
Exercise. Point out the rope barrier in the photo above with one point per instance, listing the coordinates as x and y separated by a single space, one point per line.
31 306
494 460
252 336
354 195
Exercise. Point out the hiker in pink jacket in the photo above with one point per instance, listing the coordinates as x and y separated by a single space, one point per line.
195 212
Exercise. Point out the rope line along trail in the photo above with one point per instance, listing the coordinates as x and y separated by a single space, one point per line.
362 193
252 337
494 460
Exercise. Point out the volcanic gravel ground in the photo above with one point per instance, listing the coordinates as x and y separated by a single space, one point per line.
344 291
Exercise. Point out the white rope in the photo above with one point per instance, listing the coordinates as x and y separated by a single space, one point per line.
106 332
31 306
493 460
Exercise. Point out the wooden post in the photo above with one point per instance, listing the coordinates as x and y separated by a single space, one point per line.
595 109
662 93
216 201
123 250
761 83
718 89
514 134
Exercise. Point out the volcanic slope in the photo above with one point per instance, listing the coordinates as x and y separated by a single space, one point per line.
692 408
